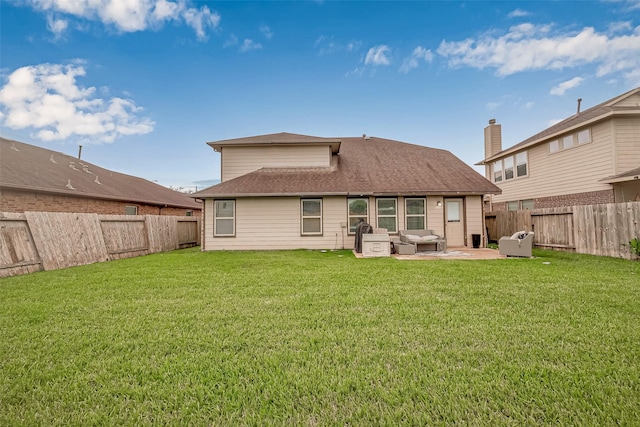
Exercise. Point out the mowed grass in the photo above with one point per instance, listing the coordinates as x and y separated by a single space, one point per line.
313 338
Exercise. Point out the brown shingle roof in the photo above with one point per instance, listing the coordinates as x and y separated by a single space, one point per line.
372 166
587 116
32 168
629 175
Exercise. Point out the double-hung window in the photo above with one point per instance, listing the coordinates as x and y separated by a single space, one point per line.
508 167
225 218
358 209
311 213
388 214
521 164
497 171
415 214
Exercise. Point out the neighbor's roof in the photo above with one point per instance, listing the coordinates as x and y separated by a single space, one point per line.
31 168
282 138
364 166
591 115
630 175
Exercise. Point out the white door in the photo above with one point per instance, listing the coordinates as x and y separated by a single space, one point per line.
454 226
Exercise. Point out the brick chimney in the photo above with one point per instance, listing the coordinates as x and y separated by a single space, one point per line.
492 139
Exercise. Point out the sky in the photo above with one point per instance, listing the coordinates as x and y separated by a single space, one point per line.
143 85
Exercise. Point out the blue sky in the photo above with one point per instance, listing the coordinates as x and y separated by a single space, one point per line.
143 85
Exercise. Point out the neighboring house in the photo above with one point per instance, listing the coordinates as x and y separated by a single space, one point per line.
287 191
37 179
591 157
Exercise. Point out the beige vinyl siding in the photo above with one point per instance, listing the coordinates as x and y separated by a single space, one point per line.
627 133
574 170
473 210
632 101
274 223
238 161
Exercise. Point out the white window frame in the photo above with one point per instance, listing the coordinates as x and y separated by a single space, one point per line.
508 167
583 132
226 218
304 216
554 146
567 142
394 216
130 210
351 217
519 162
408 215
497 169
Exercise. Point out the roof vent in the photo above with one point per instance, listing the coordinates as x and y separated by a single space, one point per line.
52 160
579 102
96 180
366 137
69 186
492 121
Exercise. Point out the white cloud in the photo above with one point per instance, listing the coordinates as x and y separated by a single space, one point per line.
56 26
327 45
378 55
47 99
248 45
565 86
266 31
232 40
418 54
518 13
492 105
528 47
133 15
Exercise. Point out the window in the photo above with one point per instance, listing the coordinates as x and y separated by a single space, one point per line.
527 204
521 164
415 214
553 146
508 168
131 210
567 142
225 218
584 136
189 213
512 206
311 211
497 171
387 214
358 209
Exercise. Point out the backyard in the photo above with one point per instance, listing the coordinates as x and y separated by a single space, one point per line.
322 338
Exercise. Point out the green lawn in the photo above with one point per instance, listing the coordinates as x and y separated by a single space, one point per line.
313 338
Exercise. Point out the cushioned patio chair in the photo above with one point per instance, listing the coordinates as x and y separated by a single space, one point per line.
519 244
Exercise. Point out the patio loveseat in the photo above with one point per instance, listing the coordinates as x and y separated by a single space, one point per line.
424 240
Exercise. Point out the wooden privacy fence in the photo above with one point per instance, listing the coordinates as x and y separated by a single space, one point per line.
589 229
35 241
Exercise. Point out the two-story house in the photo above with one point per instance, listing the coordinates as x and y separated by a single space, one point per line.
288 191
591 157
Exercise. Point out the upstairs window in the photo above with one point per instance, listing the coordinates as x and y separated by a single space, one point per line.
584 137
358 209
504 169
569 141
415 214
387 214
311 211
521 164
497 171
508 168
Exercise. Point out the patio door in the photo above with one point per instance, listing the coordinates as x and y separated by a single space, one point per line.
454 222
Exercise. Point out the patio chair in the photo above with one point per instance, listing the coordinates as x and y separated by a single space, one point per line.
517 245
